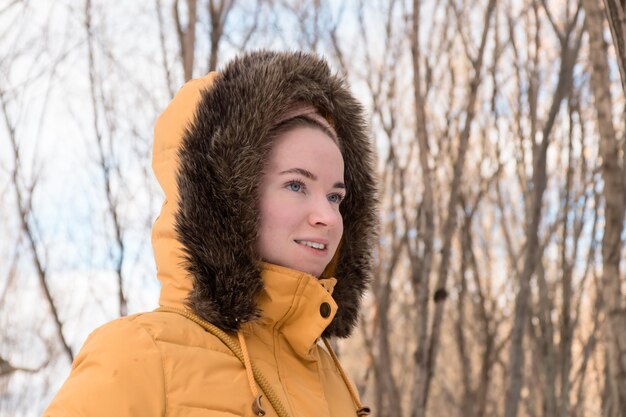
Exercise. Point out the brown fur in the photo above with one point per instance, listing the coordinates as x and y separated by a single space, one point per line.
222 159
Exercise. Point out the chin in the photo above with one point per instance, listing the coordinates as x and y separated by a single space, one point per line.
315 271
308 269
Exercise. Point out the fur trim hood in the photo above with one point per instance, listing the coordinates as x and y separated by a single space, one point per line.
211 144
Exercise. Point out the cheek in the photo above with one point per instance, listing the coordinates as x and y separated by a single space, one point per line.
275 212
340 225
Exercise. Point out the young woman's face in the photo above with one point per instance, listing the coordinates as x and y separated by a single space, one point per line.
300 194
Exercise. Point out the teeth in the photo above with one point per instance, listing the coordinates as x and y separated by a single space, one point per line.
312 244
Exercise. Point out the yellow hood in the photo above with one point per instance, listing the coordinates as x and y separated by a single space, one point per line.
168 135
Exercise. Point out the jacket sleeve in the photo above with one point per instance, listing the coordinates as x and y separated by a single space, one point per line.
118 372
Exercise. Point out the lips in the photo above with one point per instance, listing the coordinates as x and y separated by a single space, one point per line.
312 244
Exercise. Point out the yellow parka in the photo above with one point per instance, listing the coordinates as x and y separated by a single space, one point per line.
231 329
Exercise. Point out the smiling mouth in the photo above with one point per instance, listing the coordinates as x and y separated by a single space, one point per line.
314 245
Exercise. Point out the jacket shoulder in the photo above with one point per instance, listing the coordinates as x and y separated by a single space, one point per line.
118 371
172 329
202 375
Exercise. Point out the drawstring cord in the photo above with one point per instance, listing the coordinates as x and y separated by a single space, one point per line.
254 375
257 409
361 409
236 349
329 285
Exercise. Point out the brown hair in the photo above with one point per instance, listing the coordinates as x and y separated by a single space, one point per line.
302 121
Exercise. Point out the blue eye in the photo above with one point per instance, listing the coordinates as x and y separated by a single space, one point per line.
295 186
335 198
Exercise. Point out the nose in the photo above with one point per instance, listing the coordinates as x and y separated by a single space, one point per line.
324 213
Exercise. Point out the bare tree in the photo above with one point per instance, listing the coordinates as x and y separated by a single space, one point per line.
24 196
106 164
309 24
422 266
383 94
570 41
616 13
186 35
426 356
218 14
164 59
614 176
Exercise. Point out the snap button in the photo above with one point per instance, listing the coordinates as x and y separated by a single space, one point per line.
325 310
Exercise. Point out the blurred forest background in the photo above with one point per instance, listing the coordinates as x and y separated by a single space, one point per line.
501 128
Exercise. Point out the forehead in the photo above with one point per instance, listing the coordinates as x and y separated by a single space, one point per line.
309 148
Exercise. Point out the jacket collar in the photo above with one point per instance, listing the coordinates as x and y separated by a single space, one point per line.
295 304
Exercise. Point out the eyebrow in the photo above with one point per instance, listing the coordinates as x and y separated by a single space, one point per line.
308 174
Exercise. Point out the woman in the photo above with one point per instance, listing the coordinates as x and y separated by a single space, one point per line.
263 247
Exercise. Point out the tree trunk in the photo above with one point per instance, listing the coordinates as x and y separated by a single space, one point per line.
532 253
615 201
217 16
616 13
426 360
186 37
421 277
